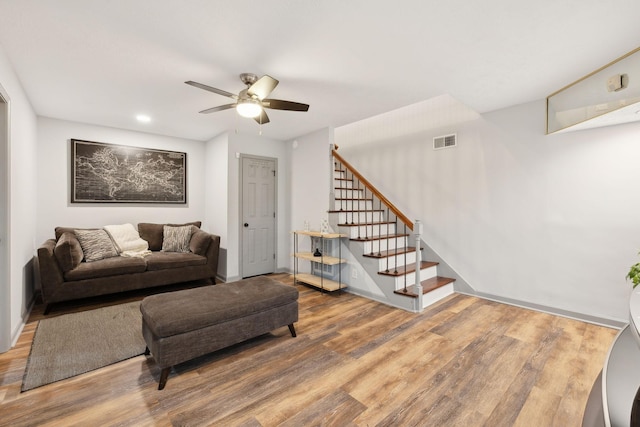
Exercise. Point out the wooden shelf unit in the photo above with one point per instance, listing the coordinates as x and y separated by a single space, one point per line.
318 281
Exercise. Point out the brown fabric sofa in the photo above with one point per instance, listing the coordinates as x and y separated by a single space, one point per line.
65 276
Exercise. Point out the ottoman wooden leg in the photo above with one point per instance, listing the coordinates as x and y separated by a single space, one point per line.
164 374
292 330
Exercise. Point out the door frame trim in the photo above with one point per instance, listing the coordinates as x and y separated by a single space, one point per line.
5 273
241 210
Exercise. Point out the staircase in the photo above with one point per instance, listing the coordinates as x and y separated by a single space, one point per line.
379 239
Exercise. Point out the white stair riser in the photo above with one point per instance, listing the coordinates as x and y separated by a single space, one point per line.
358 217
353 205
339 174
425 273
399 260
349 193
436 295
362 231
384 244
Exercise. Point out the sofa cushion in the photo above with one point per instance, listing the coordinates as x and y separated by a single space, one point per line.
153 233
68 252
96 244
106 267
200 241
166 260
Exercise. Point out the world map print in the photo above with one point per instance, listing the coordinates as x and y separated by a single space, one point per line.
116 173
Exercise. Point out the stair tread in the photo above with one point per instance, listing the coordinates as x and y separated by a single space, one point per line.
372 238
355 200
347 188
366 223
402 270
392 252
427 286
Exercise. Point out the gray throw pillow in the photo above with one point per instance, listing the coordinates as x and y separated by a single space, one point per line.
96 244
176 239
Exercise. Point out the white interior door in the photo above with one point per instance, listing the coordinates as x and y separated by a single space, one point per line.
258 212
5 288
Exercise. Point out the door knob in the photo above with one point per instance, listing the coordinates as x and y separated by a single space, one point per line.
246 224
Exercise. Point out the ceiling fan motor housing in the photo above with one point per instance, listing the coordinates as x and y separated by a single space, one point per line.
248 78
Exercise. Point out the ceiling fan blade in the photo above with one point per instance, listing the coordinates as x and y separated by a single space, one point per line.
278 104
218 108
262 119
212 89
263 87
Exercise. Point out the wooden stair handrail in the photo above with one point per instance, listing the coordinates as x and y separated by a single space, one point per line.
374 190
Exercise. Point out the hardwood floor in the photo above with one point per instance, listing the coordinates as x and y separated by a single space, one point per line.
355 362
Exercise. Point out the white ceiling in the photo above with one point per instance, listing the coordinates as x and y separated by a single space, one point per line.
104 61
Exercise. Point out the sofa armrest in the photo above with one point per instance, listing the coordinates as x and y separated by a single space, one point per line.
51 275
212 255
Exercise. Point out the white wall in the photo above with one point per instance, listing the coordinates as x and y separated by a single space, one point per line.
216 202
548 220
54 207
312 179
216 183
5 294
21 242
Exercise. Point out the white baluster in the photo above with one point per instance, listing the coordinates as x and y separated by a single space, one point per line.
417 230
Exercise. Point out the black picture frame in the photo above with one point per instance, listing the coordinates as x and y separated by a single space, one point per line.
111 173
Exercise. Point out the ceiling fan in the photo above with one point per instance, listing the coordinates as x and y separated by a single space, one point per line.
252 101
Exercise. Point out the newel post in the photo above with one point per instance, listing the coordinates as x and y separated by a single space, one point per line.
417 230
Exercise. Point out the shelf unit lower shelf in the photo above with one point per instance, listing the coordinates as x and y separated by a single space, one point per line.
326 260
319 282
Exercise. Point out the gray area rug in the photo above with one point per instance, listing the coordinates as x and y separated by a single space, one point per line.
76 343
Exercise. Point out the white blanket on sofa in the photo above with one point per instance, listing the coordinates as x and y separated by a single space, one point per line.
127 240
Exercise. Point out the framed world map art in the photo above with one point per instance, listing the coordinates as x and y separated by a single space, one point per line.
109 173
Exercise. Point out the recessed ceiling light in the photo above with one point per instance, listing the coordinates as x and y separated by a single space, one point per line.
143 118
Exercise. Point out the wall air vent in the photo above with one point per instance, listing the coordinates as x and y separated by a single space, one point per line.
445 141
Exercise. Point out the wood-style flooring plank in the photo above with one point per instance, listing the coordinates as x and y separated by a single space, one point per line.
463 361
541 406
507 411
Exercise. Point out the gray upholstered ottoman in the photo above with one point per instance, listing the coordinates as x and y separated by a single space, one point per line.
179 326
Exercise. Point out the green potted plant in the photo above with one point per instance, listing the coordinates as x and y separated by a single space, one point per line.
634 273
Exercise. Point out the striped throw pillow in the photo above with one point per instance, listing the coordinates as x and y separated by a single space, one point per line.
96 244
176 239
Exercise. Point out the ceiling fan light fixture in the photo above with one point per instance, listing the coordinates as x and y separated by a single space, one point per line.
249 108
